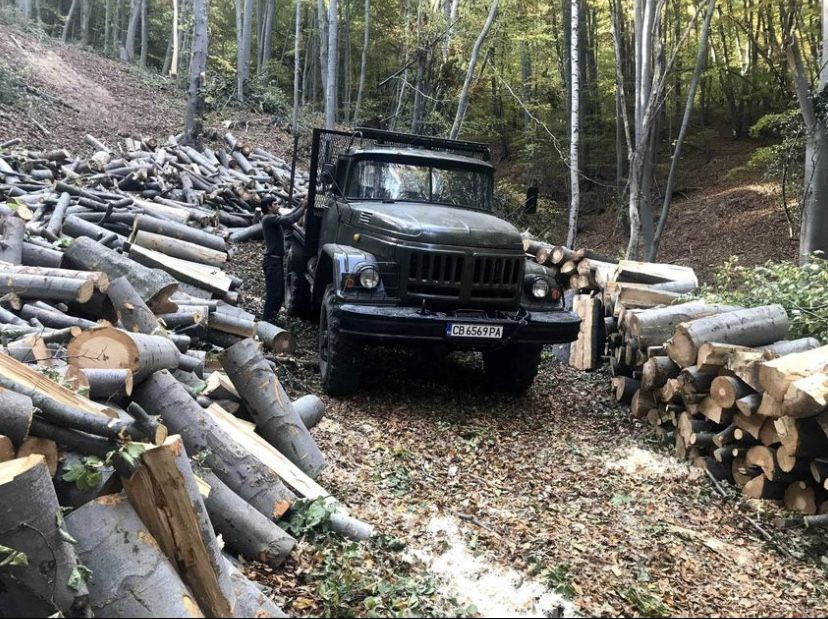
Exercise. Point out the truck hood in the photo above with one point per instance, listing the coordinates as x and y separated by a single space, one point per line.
433 223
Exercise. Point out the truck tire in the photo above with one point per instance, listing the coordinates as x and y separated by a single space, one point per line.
297 289
512 368
339 355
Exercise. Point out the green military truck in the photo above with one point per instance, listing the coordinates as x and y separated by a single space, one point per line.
399 246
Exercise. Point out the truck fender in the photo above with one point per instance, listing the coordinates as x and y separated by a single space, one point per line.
336 260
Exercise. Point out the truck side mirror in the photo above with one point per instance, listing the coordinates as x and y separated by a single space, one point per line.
530 207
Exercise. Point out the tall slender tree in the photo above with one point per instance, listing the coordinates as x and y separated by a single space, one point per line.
574 121
333 65
198 74
813 234
243 68
363 64
463 101
297 65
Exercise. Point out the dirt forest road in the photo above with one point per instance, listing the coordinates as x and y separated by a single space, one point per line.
553 502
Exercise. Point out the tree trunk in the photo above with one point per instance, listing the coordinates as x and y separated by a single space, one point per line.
154 286
179 231
322 21
574 123
275 339
132 311
331 82
177 248
243 69
363 65
182 528
267 36
52 229
776 376
110 348
85 14
655 326
250 600
245 531
198 75
12 232
132 28
146 584
39 586
463 101
106 383
17 416
701 62
173 68
275 418
749 327
68 23
297 66
46 287
144 32
243 473
310 409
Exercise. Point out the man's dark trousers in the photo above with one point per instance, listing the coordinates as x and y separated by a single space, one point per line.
275 282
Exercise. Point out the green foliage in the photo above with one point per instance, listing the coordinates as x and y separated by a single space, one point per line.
9 557
79 577
780 158
308 516
86 474
268 98
131 452
801 290
557 579
647 603
371 580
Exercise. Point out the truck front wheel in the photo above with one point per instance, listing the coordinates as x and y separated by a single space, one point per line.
339 355
512 368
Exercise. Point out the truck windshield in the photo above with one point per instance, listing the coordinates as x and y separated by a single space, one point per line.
389 180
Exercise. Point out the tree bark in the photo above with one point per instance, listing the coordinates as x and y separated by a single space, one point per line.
106 383
243 70
132 27
173 69
275 418
12 232
574 122
146 584
463 101
243 473
322 21
182 528
749 327
17 415
154 286
198 75
68 21
132 311
701 62
297 65
178 248
179 231
310 409
332 81
363 65
110 348
29 524
245 530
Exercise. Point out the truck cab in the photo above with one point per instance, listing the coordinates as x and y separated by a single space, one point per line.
399 245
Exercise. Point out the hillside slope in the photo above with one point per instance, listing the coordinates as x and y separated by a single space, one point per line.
72 92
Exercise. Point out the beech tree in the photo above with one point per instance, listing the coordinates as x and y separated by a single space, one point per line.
463 101
575 122
813 234
331 86
198 73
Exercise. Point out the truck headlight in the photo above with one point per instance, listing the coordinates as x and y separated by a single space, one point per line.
540 288
369 278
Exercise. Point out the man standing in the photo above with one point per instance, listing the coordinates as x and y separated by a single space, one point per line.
273 262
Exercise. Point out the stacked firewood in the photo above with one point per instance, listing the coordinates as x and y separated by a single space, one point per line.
582 270
135 397
735 397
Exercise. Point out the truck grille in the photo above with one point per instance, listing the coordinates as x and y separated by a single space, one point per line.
455 276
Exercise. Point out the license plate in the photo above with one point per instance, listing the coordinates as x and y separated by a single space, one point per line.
480 331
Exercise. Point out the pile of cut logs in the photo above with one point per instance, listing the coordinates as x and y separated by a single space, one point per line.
143 429
729 390
582 270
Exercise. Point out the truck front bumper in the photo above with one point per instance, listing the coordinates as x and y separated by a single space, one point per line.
391 323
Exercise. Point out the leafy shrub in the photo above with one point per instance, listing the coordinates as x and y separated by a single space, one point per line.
801 290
